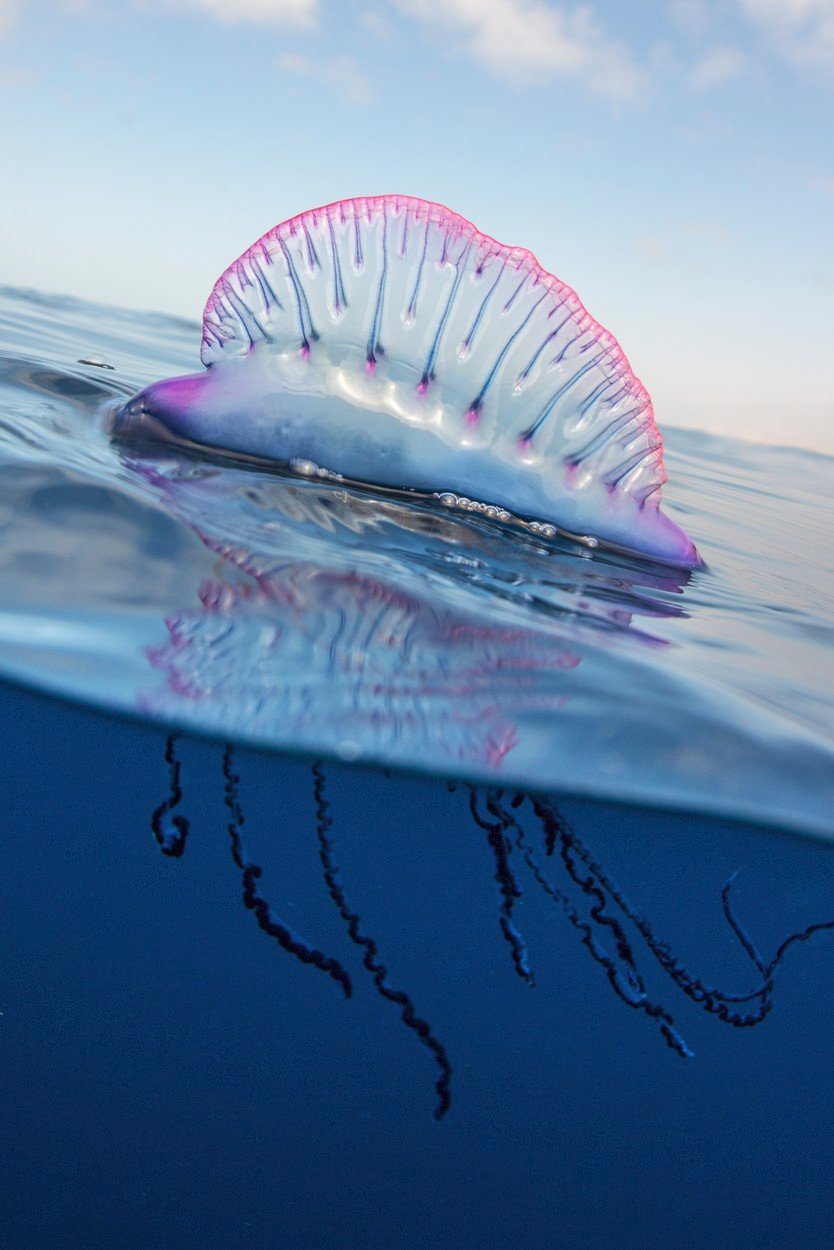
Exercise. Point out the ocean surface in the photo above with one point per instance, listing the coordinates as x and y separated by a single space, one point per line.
567 809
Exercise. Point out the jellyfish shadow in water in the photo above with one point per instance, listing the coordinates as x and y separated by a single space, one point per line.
599 915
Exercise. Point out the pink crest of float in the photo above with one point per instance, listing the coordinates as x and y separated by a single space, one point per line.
454 226
389 340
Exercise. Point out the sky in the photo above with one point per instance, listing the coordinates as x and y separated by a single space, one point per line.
672 160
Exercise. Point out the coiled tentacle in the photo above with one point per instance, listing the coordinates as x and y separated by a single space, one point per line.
508 887
710 997
171 828
369 949
254 900
625 980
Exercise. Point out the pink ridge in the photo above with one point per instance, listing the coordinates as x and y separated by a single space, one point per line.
521 258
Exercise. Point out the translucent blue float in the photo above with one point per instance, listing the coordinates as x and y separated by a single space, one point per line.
387 341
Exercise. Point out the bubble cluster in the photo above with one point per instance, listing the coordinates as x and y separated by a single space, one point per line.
309 468
450 500
542 528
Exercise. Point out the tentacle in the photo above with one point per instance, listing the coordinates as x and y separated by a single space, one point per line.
710 997
627 983
169 828
738 929
590 887
254 899
370 953
559 831
793 939
508 888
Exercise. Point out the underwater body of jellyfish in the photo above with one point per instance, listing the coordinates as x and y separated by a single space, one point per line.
386 341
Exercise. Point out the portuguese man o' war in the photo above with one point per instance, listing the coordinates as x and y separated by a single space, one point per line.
389 342
386 342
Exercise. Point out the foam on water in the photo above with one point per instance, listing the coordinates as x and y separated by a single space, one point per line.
295 612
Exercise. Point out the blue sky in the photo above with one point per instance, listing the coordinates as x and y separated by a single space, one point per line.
673 160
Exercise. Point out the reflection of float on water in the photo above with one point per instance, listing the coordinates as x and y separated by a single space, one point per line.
321 648
363 624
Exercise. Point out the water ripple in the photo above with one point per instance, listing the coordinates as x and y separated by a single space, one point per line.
309 616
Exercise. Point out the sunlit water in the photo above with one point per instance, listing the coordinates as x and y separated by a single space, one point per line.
302 615
170 1078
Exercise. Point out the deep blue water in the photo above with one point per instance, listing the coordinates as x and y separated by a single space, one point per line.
171 1078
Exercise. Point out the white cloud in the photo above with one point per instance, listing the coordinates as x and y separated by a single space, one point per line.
526 40
341 73
717 66
299 13
804 29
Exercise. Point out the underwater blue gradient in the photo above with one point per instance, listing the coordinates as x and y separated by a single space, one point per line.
170 1077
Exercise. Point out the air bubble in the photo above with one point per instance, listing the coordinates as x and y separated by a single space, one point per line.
307 468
